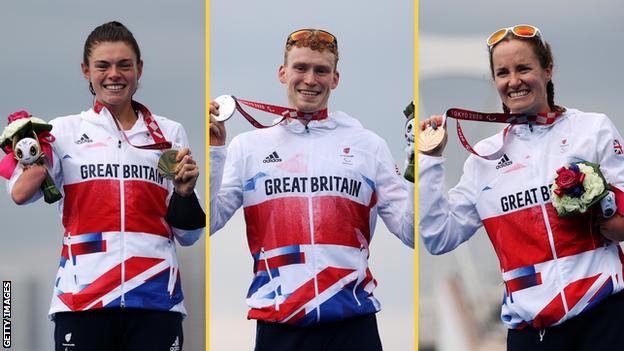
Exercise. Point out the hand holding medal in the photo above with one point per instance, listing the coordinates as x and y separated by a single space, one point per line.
167 164
180 167
224 106
185 173
175 165
432 136
220 110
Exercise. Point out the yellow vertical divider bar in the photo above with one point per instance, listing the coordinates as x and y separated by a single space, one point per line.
416 275
207 173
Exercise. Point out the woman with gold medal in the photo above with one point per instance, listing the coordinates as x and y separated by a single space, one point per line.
118 285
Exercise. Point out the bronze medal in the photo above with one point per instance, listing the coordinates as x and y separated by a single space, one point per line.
430 138
167 164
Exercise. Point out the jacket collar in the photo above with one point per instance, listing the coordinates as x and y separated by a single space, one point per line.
526 131
333 120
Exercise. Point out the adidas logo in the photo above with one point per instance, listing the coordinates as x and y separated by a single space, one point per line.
274 157
84 139
176 345
504 162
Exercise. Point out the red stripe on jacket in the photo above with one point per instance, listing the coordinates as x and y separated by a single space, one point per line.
336 220
94 206
551 314
575 291
276 223
285 221
141 195
525 231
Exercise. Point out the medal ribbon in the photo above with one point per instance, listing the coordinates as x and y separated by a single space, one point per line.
546 118
285 112
160 143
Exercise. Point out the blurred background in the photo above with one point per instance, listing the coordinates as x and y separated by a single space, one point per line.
461 292
42 44
376 68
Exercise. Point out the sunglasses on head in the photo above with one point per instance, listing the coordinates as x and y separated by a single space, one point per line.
323 36
520 30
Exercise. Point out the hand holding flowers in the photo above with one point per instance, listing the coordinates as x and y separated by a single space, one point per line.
27 139
577 187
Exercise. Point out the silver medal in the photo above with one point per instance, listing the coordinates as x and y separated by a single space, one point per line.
227 106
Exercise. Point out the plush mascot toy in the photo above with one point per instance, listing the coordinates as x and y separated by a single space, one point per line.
27 141
409 138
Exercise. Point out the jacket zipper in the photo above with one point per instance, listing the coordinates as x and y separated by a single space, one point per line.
71 258
122 226
361 267
173 270
551 240
311 226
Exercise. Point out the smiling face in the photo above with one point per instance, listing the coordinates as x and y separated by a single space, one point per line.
520 78
309 76
114 73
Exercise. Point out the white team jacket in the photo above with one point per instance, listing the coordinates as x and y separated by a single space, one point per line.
311 198
118 251
553 268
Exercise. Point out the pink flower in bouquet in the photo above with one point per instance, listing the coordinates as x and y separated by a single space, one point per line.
567 179
577 187
18 115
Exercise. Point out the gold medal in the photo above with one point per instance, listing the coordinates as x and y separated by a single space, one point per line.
430 138
167 164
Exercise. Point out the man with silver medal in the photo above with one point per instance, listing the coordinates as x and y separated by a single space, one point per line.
311 186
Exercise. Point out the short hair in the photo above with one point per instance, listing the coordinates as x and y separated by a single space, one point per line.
313 41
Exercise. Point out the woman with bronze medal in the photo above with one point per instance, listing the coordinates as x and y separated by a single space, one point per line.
118 284
547 202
